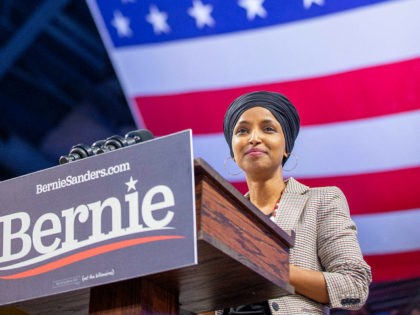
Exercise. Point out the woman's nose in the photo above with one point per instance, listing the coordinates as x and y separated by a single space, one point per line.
254 137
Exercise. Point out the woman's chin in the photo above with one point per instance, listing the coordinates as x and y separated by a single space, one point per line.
258 170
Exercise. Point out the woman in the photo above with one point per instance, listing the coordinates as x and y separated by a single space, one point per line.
327 268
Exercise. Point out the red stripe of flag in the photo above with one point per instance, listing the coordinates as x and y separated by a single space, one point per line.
371 192
366 93
393 267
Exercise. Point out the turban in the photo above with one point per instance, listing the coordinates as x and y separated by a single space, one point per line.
282 109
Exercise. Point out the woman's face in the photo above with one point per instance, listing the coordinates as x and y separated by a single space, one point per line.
258 142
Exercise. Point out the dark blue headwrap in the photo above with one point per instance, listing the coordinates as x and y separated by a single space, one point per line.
276 103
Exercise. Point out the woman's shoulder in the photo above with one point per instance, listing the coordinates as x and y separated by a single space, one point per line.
325 200
321 191
325 193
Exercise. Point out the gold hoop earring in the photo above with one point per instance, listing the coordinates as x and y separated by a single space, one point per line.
227 169
295 165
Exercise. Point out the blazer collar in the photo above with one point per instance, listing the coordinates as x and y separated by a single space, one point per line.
292 203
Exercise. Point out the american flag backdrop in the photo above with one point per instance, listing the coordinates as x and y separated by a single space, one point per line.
352 68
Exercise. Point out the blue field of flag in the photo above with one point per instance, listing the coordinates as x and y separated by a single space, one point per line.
137 22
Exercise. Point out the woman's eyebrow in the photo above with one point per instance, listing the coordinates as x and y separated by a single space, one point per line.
265 121
243 122
268 120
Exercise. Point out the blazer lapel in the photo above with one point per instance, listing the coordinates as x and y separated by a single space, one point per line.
292 203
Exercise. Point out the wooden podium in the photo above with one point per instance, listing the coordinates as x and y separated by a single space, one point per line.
243 257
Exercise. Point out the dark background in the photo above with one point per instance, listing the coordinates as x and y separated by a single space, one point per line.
57 86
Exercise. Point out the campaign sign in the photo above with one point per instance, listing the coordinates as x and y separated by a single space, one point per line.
102 219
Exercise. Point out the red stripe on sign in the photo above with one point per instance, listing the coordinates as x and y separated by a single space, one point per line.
371 192
366 93
87 254
393 267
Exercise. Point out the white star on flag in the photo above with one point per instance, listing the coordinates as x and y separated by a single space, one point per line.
201 14
122 24
158 20
308 3
131 184
253 8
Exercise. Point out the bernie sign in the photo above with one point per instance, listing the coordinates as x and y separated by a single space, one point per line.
106 218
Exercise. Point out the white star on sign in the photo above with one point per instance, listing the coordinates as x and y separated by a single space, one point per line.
158 20
253 8
308 3
131 184
122 24
201 14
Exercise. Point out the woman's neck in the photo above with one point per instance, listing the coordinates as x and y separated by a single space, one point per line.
265 194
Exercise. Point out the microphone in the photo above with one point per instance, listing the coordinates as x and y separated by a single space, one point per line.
114 142
132 137
97 146
77 152
140 135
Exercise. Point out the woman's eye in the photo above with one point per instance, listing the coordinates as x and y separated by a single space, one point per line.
269 129
240 131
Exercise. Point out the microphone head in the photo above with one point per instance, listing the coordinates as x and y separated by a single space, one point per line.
114 142
81 151
64 159
77 152
98 147
140 135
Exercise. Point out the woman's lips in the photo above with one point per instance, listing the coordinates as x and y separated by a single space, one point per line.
254 152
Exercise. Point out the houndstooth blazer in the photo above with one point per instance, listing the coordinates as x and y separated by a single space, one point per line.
325 240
